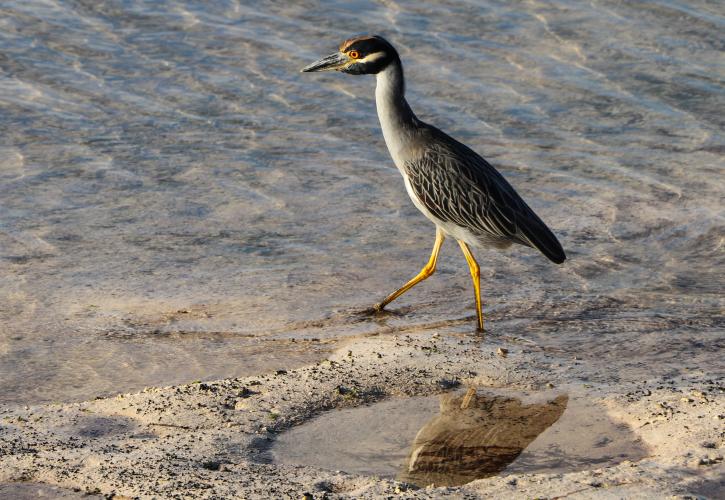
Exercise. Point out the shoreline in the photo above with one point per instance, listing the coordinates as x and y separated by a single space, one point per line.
205 439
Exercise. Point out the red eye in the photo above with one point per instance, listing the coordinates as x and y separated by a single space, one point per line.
354 54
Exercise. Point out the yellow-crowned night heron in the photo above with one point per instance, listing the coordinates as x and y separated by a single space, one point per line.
464 196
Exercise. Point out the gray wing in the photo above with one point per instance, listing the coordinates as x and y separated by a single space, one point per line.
459 186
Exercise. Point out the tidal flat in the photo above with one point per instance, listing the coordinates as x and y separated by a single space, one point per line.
191 232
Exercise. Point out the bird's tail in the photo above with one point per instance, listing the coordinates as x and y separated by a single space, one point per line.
540 237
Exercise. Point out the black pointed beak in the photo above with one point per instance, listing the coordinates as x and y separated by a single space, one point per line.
329 63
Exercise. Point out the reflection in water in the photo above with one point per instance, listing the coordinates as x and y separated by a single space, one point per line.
476 436
455 438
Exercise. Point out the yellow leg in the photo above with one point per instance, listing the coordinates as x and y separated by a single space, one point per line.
476 275
427 270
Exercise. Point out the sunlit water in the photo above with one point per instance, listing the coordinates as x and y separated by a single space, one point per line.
178 202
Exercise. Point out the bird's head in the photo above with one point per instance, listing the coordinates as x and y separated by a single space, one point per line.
362 55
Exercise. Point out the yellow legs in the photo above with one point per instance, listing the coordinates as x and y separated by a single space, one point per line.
476 276
430 268
427 270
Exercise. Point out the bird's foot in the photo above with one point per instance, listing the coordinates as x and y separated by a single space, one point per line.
379 310
373 310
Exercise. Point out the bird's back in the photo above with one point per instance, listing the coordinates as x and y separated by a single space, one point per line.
458 187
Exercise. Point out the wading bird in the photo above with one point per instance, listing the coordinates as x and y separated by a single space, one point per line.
465 197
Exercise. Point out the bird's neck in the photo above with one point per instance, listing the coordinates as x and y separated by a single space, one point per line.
396 118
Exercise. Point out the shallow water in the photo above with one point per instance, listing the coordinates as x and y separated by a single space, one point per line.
178 202
453 439
28 490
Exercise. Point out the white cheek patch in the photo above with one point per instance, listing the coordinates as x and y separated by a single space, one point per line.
371 57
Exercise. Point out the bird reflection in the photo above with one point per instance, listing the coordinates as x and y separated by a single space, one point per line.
475 436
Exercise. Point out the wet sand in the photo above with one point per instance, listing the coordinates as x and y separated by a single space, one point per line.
214 439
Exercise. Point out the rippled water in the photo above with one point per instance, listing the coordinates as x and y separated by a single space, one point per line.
178 202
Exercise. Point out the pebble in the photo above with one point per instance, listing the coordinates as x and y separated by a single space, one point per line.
502 352
708 460
211 465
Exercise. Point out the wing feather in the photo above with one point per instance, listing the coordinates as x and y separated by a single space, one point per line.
458 186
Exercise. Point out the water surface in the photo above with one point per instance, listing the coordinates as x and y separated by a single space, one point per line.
456 438
178 202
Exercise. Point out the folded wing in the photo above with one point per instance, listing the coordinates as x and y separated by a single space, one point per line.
460 187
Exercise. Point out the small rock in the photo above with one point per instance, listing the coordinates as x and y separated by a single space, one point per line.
445 383
307 496
211 465
502 352
709 444
550 385
710 460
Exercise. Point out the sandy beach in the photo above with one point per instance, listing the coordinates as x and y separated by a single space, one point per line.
206 440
